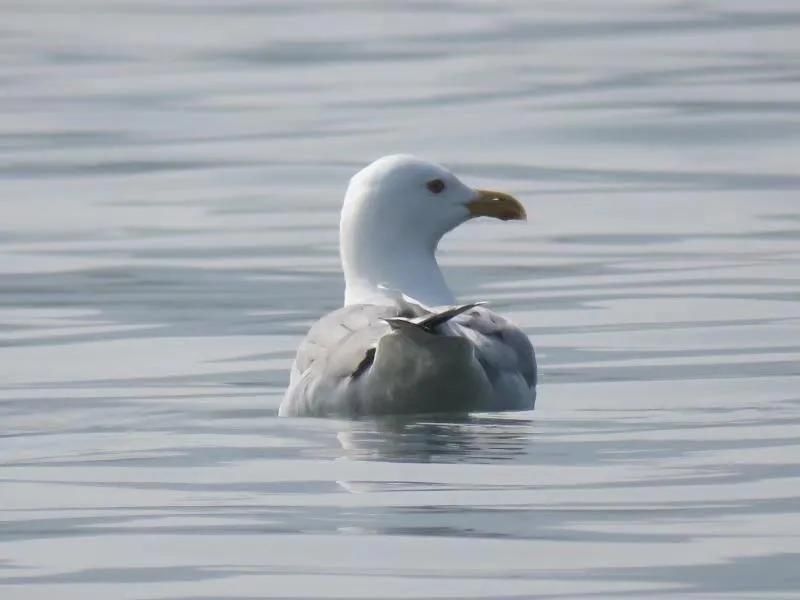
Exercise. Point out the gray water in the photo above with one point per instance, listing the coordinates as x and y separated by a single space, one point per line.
171 179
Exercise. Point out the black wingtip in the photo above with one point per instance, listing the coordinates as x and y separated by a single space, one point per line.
440 318
365 363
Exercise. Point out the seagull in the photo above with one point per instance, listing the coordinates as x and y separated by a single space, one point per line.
401 343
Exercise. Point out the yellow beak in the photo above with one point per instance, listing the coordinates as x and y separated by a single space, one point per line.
498 205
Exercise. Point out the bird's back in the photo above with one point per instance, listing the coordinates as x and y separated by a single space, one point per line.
403 358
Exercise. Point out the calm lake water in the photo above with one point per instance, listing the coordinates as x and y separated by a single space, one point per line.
171 175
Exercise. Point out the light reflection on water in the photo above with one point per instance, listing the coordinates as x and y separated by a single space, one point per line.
171 179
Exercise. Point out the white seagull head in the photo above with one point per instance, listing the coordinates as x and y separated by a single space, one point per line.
395 212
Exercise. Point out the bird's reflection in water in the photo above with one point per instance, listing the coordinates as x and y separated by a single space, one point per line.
436 438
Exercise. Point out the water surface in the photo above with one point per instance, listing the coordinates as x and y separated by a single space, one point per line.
171 178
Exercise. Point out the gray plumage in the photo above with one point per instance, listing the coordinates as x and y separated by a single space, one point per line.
367 359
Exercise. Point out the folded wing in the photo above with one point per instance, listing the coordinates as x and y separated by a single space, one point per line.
406 358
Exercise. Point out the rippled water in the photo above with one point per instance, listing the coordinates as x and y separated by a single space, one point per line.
171 177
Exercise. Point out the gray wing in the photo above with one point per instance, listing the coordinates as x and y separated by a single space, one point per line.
505 353
339 340
334 348
464 357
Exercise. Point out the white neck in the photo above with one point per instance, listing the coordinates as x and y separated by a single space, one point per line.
373 257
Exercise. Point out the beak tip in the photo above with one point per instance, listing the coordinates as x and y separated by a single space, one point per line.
519 215
498 205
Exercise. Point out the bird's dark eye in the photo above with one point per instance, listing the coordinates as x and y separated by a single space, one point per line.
436 186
